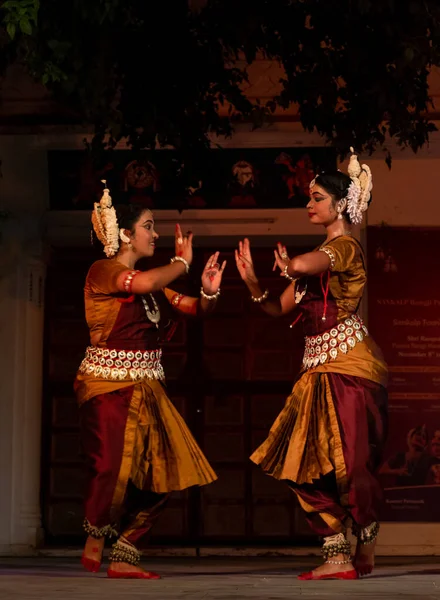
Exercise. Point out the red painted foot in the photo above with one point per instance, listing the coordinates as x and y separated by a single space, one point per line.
90 564
132 574
310 576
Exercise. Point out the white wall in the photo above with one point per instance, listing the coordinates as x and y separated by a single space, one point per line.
408 194
23 191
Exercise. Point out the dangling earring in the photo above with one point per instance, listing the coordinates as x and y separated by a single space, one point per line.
125 239
340 209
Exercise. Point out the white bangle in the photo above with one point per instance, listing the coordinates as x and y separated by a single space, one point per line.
260 299
207 297
286 274
182 260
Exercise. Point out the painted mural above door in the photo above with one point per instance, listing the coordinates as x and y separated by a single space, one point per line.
230 178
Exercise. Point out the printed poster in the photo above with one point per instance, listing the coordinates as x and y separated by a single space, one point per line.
404 319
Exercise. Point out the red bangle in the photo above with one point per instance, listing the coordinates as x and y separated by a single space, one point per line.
128 281
177 299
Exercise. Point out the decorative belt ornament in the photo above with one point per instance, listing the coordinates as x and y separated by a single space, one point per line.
122 364
326 346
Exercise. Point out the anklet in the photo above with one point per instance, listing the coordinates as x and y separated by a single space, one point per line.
338 562
334 545
366 535
99 532
124 552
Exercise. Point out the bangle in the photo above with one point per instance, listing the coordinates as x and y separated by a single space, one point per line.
286 274
331 256
207 297
177 299
261 298
128 281
182 260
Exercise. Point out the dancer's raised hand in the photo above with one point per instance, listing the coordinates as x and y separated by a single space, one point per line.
212 274
183 244
243 260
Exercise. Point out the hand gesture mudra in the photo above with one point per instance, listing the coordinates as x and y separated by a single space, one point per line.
212 275
243 260
281 258
183 244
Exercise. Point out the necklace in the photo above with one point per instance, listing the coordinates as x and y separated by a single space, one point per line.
153 315
300 295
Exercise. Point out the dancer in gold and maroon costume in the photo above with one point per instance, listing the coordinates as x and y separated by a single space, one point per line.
137 447
327 442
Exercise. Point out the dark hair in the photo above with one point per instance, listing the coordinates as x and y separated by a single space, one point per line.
129 214
336 184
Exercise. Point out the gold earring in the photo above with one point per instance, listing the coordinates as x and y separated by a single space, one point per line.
340 209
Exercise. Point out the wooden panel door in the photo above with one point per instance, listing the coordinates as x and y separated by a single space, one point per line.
250 361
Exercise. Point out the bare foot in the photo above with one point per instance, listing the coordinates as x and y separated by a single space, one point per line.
92 554
364 558
94 548
329 568
125 570
122 567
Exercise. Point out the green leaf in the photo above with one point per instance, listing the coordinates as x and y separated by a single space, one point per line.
26 27
10 28
11 4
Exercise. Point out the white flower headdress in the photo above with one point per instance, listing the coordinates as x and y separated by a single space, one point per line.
359 190
105 223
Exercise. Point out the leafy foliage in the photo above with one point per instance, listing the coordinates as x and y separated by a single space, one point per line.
153 72
21 15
